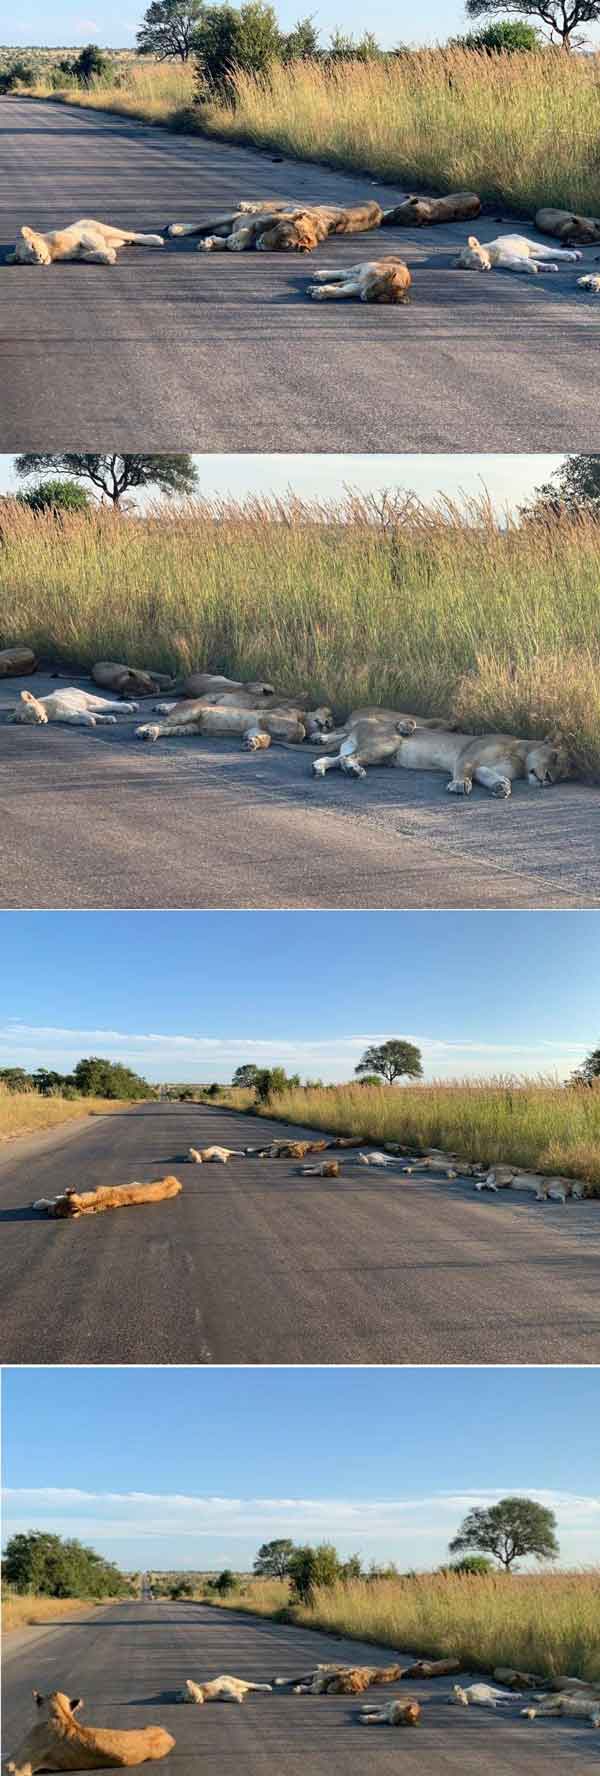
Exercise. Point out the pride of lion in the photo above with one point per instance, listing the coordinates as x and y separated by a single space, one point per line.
59 1742
280 225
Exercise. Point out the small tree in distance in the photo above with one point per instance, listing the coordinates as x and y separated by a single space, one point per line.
313 1567
55 496
510 1530
169 28
392 1060
245 1076
113 476
273 1559
562 17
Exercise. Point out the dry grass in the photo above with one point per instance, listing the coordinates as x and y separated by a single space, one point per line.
547 1622
522 130
538 1124
26 1113
28 1612
425 608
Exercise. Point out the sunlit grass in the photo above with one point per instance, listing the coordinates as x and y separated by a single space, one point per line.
29 1611
157 92
536 1124
27 1113
425 609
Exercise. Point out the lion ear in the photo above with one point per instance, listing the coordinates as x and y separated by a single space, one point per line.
75 1703
472 241
38 1699
27 233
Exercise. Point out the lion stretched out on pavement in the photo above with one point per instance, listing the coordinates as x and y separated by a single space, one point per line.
59 1742
494 760
280 227
95 242
258 727
385 280
73 1203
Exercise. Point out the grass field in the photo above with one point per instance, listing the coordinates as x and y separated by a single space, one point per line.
522 130
26 1113
539 1125
547 1622
28 1612
418 609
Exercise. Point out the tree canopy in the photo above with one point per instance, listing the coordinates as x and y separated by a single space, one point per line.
169 29
310 1568
115 475
392 1060
36 1561
55 495
561 17
509 1530
231 37
246 1076
273 1559
98 1078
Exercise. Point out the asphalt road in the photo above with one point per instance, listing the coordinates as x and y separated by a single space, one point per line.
128 1660
254 1264
177 350
96 818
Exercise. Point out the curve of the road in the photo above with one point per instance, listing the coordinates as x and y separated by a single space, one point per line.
128 1660
176 349
254 1264
97 819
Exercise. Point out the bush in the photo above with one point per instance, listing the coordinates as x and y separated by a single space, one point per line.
229 39
312 1569
43 1563
19 74
504 37
55 496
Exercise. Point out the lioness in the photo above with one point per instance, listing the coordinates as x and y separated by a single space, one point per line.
73 1203
511 252
583 230
281 227
392 1714
219 1689
129 681
494 760
258 727
215 686
80 708
583 1707
59 1742
424 212
96 242
368 737
385 280
16 661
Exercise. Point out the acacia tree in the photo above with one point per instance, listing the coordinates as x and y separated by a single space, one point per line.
562 17
574 485
115 475
392 1060
273 1559
169 29
509 1530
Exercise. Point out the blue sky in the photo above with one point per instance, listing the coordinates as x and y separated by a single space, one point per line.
161 1467
510 481
66 22
193 995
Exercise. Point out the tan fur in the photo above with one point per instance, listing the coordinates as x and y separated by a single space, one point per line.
511 252
214 1155
385 281
108 1196
580 1706
425 212
128 681
80 709
566 225
219 1689
591 281
59 1742
213 685
14 662
281 228
340 1680
371 736
96 242
347 1141
328 1168
258 727
431 1668
392 1714
519 1680
494 760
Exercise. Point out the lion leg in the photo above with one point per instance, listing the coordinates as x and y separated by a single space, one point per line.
213 243
241 239
256 738
321 765
164 730
460 785
97 255
333 292
334 277
496 781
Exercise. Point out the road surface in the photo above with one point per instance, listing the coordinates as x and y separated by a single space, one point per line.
129 1659
178 350
99 819
254 1264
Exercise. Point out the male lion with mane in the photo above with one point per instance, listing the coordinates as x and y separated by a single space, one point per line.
280 227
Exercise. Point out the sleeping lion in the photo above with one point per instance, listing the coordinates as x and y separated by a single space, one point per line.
494 760
96 242
280 227
385 280
258 727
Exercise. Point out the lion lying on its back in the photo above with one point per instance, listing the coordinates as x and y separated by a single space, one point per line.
280 227
96 242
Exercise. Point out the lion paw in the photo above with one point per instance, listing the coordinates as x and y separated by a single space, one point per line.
459 786
502 788
149 732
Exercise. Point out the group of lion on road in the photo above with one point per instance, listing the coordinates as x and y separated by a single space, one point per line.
58 1741
211 704
278 225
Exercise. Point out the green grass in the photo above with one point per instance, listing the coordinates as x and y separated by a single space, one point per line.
423 609
522 130
546 1622
537 1124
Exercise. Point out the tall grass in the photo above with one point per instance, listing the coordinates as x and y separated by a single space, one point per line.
157 92
417 607
31 1611
537 1124
27 1113
547 1622
522 130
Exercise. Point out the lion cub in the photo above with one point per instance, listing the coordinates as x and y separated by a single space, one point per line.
385 280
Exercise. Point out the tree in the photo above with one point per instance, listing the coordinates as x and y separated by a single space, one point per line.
392 1060
98 1078
588 1071
302 43
55 496
229 38
502 37
90 64
226 1582
19 74
310 1568
15 1079
115 475
270 1082
245 1076
472 1565
183 1588
509 1530
169 29
41 1563
273 1559
351 1569
47 1082
574 485
562 17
